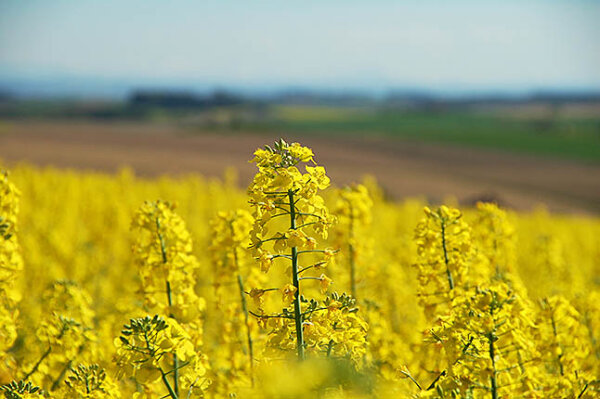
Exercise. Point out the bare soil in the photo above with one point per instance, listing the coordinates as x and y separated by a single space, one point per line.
404 169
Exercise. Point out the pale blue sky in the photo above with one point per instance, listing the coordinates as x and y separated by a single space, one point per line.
337 44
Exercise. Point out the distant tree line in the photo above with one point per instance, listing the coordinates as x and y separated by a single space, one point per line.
175 99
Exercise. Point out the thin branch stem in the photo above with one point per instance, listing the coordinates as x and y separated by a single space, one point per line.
307 251
266 316
309 278
311 266
263 290
410 377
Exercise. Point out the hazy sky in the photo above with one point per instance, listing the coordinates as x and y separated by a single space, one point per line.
366 44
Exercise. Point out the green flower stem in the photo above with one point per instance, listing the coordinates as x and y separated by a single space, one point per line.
60 377
163 250
175 359
296 282
493 379
492 337
352 254
39 362
560 365
245 310
246 321
446 260
165 380
45 355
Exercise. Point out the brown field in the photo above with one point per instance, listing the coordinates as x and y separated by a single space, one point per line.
404 169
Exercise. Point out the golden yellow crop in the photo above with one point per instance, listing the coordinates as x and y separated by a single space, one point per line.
115 286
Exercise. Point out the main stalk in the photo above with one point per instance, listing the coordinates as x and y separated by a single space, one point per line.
296 282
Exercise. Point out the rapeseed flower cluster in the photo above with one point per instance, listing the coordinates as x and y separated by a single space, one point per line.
444 247
493 340
64 332
232 271
11 264
163 254
154 348
281 190
89 382
353 211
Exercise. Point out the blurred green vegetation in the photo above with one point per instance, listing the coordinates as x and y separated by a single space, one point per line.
548 135
549 130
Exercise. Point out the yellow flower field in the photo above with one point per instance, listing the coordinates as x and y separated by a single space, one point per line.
115 286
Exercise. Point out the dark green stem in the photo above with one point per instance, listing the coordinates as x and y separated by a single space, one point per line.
446 260
560 365
329 347
521 363
593 340
352 271
246 321
163 251
45 355
493 379
352 254
165 380
296 282
175 359
583 391
37 365
58 380
244 309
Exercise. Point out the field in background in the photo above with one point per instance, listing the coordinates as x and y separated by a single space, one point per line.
551 128
404 167
571 132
